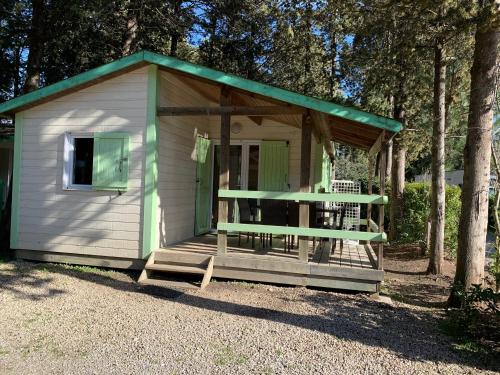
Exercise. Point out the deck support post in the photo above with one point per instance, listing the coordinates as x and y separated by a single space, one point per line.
381 172
305 171
225 135
370 192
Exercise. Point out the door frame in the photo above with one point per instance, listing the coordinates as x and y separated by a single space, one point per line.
245 161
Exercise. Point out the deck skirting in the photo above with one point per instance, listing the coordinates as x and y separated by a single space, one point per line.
297 273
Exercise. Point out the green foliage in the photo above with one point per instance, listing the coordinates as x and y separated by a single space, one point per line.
417 205
474 299
475 324
474 302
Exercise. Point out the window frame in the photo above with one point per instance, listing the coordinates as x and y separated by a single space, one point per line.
69 154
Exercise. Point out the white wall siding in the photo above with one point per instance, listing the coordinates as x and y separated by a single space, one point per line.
176 164
83 222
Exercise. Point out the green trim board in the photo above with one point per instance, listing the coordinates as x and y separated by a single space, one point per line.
308 197
302 231
206 73
16 181
149 230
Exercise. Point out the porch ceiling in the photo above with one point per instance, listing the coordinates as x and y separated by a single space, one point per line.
326 127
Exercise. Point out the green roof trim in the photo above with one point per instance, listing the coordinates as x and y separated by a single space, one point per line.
66 84
209 74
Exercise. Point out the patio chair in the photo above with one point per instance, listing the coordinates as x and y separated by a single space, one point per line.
340 226
273 212
246 217
293 221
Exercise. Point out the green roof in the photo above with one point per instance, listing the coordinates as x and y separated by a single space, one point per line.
89 76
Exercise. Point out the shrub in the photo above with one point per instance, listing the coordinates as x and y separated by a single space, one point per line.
473 302
417 206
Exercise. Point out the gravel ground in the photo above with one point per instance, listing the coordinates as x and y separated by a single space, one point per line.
61 320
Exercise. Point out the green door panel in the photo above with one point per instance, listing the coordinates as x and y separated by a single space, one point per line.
273 166
110 165
203 179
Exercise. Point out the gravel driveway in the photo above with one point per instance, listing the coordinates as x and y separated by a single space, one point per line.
57 320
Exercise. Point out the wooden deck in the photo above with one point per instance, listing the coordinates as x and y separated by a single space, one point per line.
348 268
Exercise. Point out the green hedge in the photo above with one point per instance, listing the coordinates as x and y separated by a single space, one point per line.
417 205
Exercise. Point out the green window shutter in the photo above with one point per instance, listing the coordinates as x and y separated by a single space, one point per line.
273 166
111 161
203 185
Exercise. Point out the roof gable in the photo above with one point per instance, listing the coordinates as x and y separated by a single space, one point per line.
102 72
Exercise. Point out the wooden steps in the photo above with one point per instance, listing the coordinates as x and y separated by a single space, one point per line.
163 264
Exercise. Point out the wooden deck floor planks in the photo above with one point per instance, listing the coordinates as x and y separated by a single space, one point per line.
351 255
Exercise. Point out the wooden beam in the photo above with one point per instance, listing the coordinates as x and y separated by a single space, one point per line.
305 172
302 231
238 99
323 122
373 226
225 139
267 110
378 144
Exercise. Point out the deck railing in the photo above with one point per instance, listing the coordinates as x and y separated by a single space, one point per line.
371 199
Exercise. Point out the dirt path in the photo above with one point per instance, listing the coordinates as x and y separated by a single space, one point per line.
78 321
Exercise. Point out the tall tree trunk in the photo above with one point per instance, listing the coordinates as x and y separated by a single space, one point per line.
334 77
211 44
388 158
307 90
388 164
175 34
35 45
477 154
131 32
438 161
17 68
397 176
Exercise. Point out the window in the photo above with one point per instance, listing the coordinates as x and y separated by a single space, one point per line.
82 161
97 161
78 158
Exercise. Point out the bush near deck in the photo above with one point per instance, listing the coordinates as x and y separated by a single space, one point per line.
417 208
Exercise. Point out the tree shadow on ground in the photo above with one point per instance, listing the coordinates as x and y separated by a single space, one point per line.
412 334
408 273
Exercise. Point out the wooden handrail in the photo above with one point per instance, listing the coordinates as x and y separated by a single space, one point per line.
303 231
308 197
